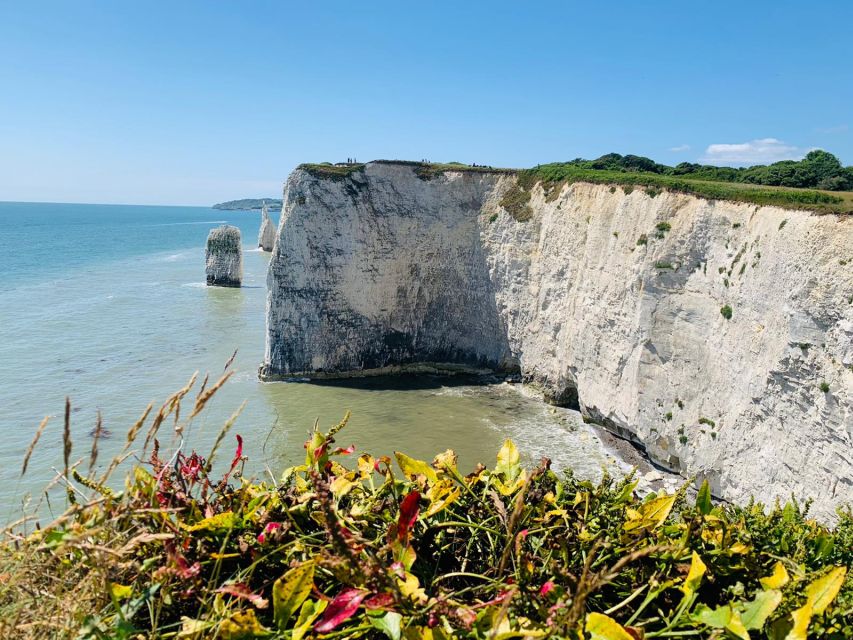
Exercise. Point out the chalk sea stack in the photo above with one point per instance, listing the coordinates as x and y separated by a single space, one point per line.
224 263
266 236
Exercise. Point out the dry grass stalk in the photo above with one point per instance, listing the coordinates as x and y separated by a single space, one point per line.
33 444
203 398
93 455
222 432
230 360
66 436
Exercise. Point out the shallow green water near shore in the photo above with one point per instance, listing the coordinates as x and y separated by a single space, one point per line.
107 304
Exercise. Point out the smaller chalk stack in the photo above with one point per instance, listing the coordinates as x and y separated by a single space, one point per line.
224 257
266 237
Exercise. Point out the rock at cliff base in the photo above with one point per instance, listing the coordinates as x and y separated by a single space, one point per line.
266 236
224 257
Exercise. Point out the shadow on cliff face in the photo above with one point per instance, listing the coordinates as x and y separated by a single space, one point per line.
410 382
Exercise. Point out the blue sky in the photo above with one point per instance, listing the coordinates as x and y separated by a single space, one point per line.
196 102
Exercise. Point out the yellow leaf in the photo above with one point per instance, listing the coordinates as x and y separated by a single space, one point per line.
340 486
739 548
802 617
241 625
649 515
694 576
736 628
309 612
335 468
509 464
417 633
511 487
290 591
366 466
409 586
555 513
441 495
776 580
602 627
120 591
445 461
412 468
191 628
225 520
821 592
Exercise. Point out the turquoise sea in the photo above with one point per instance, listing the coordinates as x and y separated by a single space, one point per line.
107 304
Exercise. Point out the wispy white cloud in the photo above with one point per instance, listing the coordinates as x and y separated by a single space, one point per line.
761 151
680 148
841 128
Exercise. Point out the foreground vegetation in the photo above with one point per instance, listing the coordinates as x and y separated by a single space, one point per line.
352 546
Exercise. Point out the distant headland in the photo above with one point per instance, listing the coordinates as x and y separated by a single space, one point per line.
247 204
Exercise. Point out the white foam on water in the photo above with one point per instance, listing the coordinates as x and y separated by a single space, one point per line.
175 224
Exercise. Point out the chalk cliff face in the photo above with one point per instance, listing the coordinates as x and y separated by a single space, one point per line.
224 257
266 236
608 299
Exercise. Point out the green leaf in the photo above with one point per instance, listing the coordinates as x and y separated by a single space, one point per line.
309 612
821 592
290 591
755 613
389 624
703 499
717 618
412 468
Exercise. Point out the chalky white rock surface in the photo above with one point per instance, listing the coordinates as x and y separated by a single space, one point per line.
266 235
224 257
384 270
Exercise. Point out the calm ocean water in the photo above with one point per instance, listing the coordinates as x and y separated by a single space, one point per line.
107 304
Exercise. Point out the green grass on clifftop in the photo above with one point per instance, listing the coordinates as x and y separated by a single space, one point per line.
554 175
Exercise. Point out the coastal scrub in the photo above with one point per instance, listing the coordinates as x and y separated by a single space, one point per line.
351 545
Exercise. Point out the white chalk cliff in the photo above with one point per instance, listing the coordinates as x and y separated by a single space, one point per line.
609 299
266 235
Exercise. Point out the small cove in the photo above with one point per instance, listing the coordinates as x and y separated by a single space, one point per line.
106 304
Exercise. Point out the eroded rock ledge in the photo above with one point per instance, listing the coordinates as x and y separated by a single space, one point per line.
614 300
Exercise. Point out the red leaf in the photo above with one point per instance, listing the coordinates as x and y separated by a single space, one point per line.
320 451
409 510
271 526
345 452
241 590
547 587
238 454
379 601
341 608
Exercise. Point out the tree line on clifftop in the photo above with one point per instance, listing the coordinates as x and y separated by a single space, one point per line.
818 170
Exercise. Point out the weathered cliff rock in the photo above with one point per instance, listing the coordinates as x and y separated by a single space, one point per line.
609 299
224 257
266 236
